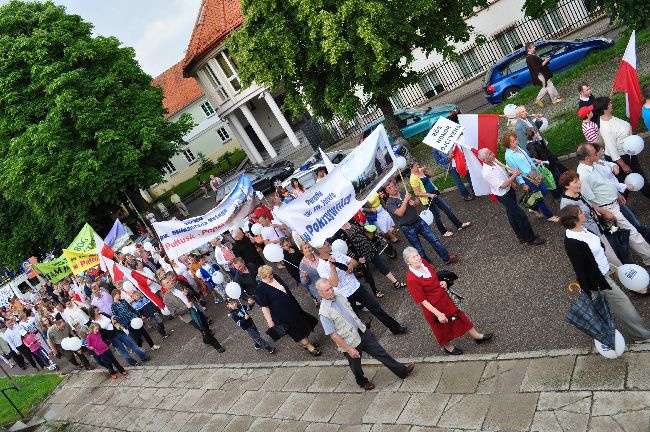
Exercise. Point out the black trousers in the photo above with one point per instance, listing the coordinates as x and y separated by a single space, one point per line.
19 359
108 360
367 300
517 217
204 328
25 352
74 357
138 334
371 346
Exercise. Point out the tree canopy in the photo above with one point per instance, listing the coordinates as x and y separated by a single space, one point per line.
631 13
79 123
321 53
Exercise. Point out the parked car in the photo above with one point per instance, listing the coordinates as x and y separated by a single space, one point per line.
264 178
416 121
335 156
510 74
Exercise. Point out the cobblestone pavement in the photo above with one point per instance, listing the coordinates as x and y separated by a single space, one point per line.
571 390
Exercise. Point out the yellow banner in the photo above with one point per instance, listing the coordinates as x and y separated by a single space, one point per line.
81 261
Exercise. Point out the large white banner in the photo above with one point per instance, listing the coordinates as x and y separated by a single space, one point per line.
180 237
323 209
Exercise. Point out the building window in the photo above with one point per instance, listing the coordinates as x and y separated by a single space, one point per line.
229 70
169 168
430 84
223 134
189 155
552 22
469 63
221 92
207 109
509 41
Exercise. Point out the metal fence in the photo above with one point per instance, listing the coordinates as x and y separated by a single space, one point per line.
473 60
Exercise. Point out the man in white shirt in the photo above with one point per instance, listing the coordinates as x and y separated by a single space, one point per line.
605 198
339 270
501 187
74 315
271 233
13 335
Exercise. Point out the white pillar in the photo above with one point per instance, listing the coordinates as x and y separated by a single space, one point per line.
281 119
248 145
258 131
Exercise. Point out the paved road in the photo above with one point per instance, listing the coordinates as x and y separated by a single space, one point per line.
542 391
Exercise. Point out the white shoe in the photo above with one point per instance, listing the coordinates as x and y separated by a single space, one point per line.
448 234
155 347
464 225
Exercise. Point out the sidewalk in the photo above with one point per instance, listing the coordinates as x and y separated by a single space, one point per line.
564 390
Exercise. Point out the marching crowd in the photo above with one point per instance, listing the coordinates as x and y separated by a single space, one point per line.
107 314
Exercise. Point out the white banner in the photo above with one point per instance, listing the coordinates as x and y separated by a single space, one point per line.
443 135
323 209
180 237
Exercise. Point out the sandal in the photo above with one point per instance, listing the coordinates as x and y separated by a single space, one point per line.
315 352
399 285
379 294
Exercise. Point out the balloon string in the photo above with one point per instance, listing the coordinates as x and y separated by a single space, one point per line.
292 264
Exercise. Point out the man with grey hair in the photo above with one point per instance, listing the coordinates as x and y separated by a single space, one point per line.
501 186
352 337
524 121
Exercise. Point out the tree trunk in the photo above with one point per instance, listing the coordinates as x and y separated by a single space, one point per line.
390 122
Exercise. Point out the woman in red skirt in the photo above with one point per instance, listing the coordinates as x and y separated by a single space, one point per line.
446 320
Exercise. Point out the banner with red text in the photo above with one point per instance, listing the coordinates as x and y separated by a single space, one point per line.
180 237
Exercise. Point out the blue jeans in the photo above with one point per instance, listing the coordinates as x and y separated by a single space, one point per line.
517 217
541 206
636 223
412 233
459 183
257 339
438 204
121 342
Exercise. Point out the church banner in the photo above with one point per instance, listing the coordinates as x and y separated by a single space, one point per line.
323 209
180 237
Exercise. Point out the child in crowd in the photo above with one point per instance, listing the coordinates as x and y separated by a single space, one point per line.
205 272
147 309
102 351
589 128
239 314
35 347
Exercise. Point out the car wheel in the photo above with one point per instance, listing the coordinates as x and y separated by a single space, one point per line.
276 182
510 92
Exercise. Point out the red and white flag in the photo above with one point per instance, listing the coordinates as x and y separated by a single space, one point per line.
141 282
480 131
627 81
104 251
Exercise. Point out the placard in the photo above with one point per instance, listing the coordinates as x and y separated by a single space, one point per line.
443 135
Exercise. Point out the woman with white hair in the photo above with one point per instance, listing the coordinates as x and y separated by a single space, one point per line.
446 320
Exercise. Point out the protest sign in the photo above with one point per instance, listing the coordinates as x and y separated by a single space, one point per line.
6 294
54 270
81 261
443 135
28 267
180 237
320 211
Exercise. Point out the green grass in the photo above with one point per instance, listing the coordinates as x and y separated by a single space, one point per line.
32 390
589 63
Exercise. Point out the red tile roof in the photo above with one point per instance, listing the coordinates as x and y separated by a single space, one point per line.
178 91
215 21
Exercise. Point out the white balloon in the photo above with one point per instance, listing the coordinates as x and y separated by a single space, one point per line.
510 110
256 229
259 195
245 224
635 180
137 323
544 125
296 238
165 311
157 257
634 277
619 347
340 246
400 162
147 246
273 252
427 216
233 290
198 273
217 277
633 144
71 344
128 286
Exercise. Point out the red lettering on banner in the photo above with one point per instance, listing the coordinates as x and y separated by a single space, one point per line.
179 241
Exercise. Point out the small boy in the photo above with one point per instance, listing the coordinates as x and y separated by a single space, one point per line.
239 314
148 310
589 128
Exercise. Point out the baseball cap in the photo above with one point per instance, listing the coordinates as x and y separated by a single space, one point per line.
583 112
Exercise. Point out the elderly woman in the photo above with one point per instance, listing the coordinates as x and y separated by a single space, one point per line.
309 271
446 320
590 264
282 310
570 183
518 158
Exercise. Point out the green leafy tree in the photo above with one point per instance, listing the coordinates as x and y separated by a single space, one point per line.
79 124
631 13
321 53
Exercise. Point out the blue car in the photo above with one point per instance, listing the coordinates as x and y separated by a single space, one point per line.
510 74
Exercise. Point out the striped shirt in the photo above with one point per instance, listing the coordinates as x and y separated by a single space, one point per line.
590 131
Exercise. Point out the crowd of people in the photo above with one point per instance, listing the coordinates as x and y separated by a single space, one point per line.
108 314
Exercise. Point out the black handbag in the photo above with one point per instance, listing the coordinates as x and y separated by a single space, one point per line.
277 331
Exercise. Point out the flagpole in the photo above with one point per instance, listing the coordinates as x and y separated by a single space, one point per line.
136 210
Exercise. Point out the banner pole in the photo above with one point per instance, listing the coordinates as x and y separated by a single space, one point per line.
137 212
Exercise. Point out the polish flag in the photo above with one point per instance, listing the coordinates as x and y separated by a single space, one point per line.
141 282
104 251
627 81
480 131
